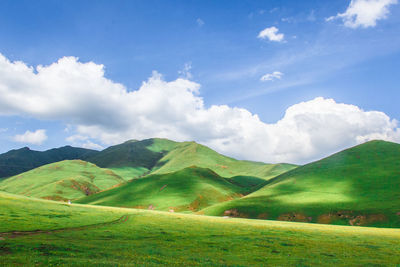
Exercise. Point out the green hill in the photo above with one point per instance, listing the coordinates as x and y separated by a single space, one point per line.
134 158
190 189
358 186
69 179
190 153
21 160
49 233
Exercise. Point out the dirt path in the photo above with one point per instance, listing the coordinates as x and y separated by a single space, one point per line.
15 234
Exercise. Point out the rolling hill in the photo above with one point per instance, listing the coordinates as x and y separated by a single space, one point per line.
358 186
190 189
157 156
64 180
49 233
21 160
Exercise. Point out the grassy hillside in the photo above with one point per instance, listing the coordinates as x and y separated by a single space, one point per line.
189 189
190 153
69 179
133 158
93 235
21 160
358 186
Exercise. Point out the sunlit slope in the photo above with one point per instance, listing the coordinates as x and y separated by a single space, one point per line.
64 180
190 153
21 160
150 238
358 186
133 158
190 189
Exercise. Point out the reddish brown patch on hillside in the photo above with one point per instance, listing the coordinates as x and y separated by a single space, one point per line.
235 213
351 218
294 217
55 198
222 166
263 216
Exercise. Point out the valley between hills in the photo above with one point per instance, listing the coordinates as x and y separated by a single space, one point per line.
154 200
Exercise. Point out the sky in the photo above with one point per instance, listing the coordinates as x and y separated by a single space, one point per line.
271 81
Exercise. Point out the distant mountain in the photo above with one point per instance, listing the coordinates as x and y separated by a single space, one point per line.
21 160
135 158
190 189
358 186
64 180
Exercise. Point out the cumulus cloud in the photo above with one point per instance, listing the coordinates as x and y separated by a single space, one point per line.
99 110
37 137
272 34
272 76
364 13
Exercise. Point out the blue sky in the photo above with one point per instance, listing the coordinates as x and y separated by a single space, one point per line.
218 43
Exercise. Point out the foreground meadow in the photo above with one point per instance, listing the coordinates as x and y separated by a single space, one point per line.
46 233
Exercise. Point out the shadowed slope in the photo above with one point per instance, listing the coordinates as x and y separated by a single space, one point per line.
189 189
62 180
358 186
21 160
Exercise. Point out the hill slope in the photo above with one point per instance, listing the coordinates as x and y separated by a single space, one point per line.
190 153
133 158
21 160
157 156
358 186
151 238
63 180
189 189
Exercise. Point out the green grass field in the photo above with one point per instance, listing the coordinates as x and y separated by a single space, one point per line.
190 189
64 180
93 235
358 186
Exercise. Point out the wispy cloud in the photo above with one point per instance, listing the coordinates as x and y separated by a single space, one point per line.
200 22
276 75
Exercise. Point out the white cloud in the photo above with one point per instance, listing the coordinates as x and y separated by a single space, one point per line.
37 137
100 110
272 76
364 13
272 34
185 72
91 145
200 22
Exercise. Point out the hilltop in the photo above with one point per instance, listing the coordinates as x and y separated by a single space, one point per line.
357 186
64 180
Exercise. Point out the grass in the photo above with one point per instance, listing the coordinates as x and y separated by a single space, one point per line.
153 238
190 189
187 154
64 180
358 186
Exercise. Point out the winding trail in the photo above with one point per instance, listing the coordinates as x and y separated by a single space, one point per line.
16 234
